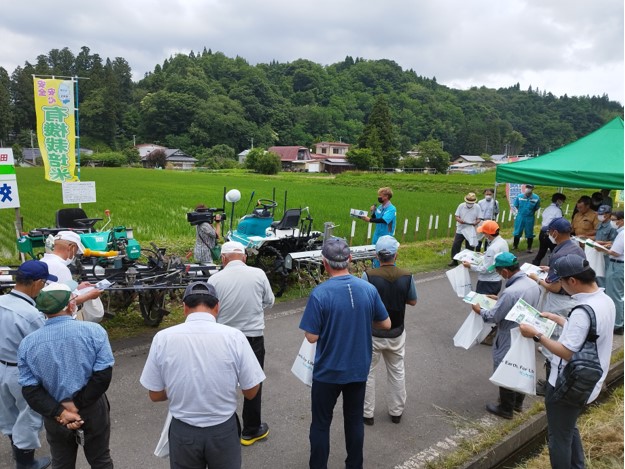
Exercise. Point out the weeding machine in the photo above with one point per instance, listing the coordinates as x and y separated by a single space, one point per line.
147 274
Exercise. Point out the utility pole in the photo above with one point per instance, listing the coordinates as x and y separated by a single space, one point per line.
252 139
31 139
134 141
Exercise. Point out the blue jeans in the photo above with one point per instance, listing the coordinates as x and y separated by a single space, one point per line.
323 400
565 444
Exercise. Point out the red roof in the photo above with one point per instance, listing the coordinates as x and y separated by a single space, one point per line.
289 153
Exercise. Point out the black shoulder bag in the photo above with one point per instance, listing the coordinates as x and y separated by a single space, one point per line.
579 377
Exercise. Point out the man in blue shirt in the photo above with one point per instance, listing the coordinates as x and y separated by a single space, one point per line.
18 318
65 369
525 205
384 215
339 317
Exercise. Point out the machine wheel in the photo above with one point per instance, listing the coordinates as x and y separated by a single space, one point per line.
271 261
120 300
152 306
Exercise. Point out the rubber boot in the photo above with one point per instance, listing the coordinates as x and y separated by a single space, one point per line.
529 244
506 404
25 459
519 397
515 243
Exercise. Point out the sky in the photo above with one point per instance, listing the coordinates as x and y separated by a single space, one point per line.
572 47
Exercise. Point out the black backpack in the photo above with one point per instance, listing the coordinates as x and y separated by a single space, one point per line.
579 377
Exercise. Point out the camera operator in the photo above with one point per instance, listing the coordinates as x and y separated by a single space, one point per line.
206 236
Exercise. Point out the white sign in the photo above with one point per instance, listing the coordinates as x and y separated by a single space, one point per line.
79 192
9 197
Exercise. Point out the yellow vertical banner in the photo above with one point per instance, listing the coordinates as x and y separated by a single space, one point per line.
56 127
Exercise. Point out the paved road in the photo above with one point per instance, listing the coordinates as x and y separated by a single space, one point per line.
447 390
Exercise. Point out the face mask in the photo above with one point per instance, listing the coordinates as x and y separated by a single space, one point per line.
380 199
469 205
489 198
559 203
601 217
613 224
69 260
552 239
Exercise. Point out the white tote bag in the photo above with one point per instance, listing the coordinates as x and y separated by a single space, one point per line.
305 362
517 370
93 310
162 447
460 280
471 329
596 260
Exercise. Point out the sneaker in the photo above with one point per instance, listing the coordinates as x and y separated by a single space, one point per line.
263 432
395 418
368 420
498 411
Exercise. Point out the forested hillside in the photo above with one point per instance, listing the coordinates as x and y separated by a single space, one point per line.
205 99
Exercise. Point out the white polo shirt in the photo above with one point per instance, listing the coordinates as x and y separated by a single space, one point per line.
56 266
469 215
576 329
617 245
201 364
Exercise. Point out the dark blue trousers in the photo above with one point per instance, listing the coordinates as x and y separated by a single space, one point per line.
323 400
565 444
252 407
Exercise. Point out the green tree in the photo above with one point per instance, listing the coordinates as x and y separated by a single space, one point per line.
6 116
156 159
251 160
433 156
268 163
362 158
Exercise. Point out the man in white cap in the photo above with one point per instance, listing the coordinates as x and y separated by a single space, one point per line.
66 245
397 289
244 292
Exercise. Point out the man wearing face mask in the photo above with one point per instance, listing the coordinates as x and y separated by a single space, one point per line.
66 245
606 233
525 205
384 215
518 286
490 210
585 220
553 211
468 216
614 272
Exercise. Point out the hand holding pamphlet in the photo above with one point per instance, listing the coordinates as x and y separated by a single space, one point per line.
354 212
589 242
534 269
479 299
524 313
472 257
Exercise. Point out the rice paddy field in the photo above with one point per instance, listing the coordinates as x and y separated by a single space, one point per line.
154 202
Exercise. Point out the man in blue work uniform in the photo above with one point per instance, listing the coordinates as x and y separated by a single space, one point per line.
525 205
18 318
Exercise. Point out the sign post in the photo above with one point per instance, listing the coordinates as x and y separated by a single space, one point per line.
9 195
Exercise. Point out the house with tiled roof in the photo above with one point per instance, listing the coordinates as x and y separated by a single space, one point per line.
332 149
295 158
175 157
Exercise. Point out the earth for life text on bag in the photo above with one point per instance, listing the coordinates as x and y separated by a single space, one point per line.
577 380
517 370
305 362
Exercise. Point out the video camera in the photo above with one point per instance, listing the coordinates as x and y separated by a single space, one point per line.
206 215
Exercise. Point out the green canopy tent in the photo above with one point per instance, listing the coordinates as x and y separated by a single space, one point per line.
594 161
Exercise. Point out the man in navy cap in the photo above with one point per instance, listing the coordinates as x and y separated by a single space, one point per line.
397 289
339 316
578 279
18 318
197 366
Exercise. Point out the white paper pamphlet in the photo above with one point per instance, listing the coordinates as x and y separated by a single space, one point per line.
589 242
534 269
479 299
524 313
354 212
472 257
